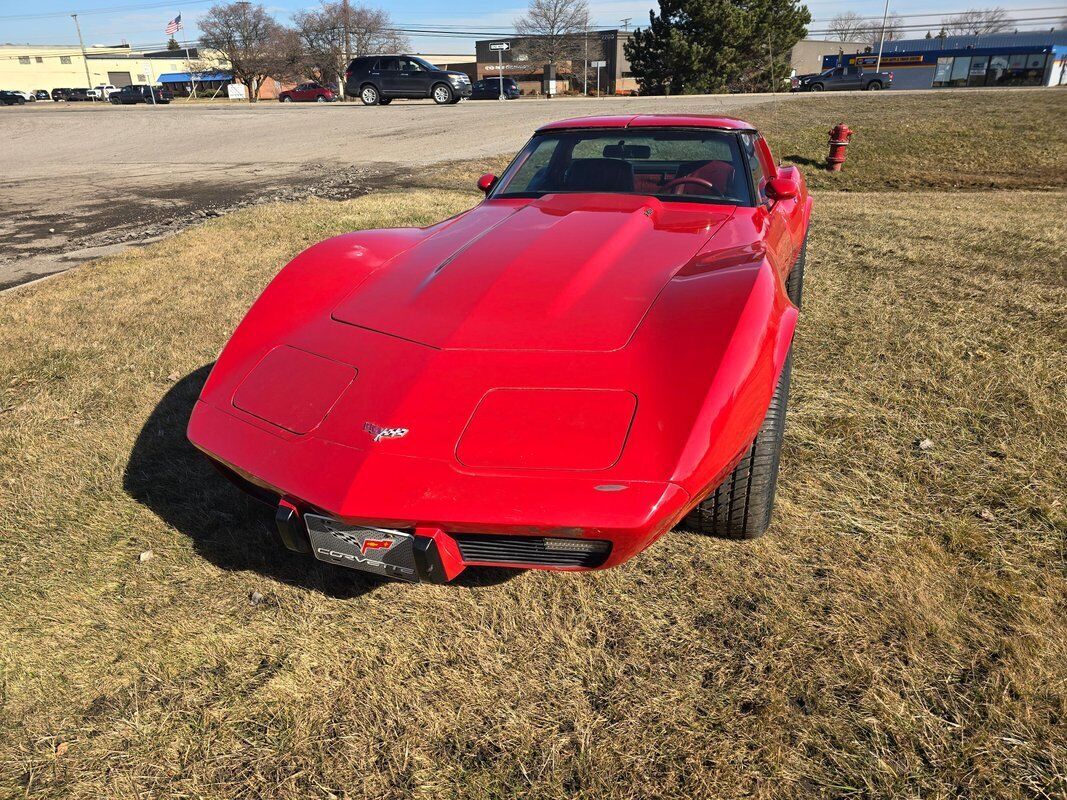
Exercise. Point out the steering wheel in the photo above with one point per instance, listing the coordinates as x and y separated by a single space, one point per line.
679 182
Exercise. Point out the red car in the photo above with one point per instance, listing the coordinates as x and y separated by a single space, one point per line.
597 353
310 92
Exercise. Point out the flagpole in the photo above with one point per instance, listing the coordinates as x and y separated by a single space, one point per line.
188 63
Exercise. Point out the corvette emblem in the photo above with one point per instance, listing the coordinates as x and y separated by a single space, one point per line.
379 433
375 544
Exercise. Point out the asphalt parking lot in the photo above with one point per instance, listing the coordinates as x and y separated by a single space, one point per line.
85 180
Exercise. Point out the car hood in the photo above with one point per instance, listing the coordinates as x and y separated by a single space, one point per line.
562 272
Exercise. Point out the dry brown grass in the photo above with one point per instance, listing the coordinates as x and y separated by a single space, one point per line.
900 632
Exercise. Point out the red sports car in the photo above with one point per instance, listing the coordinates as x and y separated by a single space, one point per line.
595 354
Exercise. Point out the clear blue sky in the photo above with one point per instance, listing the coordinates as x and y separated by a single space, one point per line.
111 21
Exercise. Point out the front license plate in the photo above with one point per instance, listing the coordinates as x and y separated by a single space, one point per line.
378 550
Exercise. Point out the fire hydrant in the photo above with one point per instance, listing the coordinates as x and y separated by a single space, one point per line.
840 136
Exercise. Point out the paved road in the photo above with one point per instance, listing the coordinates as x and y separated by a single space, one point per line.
83 180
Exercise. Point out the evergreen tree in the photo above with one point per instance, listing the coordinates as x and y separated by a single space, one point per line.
698 46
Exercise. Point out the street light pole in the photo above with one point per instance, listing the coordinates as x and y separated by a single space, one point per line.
85 60
881 39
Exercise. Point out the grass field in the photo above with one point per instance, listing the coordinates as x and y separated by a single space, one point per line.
901 632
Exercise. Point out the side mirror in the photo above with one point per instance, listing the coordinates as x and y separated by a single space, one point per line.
485 183
782 189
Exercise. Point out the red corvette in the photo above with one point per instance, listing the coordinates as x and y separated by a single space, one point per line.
597 353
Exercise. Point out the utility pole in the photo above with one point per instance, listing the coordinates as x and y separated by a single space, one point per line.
85 60
585 63
345 43
881 39
626 23
770 55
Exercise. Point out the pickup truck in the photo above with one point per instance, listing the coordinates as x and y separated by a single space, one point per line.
847 78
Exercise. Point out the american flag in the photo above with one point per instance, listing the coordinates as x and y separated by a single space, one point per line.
174 26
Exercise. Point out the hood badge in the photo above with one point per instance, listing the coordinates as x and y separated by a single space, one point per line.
379 433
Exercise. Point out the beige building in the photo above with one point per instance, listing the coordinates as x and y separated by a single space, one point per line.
32 67
806 55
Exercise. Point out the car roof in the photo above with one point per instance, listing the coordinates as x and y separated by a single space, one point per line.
651 121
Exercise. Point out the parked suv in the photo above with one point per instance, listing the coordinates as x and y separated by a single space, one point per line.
60 94
489 89
139 93
309 92
380 79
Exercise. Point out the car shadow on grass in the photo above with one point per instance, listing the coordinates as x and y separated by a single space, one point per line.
227 527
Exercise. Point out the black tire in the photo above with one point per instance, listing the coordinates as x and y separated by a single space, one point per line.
369 94
442 94
794 284
740 508
320 99
385 101
816 87
874 86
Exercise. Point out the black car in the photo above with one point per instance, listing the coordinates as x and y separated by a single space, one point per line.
42 94
77 94
381 79
489 89
840 79
60 94
11 98
139 93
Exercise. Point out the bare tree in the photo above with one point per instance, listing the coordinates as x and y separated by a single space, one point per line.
978 21
336 32
555 30
254 44
850 26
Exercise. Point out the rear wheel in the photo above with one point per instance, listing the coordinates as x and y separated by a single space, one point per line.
794 284
442 94
369 95
287 99
740 508
874 86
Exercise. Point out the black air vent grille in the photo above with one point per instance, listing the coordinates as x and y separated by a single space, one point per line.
549 552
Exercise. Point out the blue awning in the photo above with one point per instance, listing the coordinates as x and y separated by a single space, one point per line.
183 77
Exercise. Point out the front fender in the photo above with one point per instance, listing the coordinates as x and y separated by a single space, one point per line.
741 388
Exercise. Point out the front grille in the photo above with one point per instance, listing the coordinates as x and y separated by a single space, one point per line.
538 551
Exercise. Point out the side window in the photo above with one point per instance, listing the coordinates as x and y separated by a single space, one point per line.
389 64
750 148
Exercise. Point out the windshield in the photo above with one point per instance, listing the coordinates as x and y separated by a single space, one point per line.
689 165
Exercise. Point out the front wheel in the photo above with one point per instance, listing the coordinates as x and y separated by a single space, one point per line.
740 508
816 87
369 95
442 94
320 99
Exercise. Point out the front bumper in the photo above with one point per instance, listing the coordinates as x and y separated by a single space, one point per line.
466 514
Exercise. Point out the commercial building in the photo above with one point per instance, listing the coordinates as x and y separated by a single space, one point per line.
807 54
571 75
40 66
1000 59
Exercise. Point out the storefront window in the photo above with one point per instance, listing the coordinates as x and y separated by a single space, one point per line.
959 71
943 71
976 74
